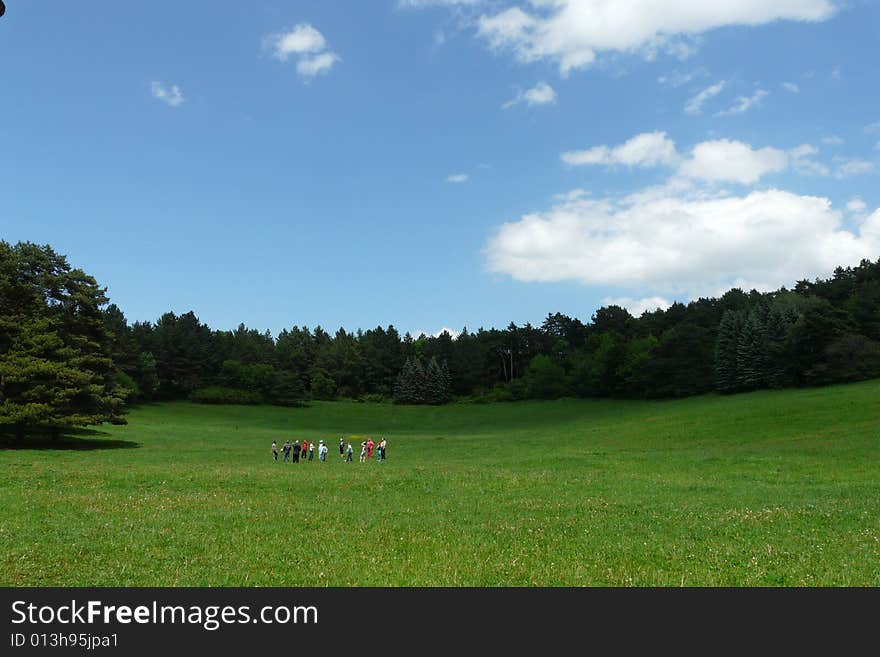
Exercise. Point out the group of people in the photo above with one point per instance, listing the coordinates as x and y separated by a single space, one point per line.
294 452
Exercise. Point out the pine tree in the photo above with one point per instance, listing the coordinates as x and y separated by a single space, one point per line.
752 368
435 391
147 378
407 384
778 375
446 381
726 361
56 368
418 384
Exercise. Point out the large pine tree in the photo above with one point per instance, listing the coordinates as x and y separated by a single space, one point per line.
56 368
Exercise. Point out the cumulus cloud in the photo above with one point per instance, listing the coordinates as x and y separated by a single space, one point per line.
832 140
311 66
648 149
745 103
681 244
541 94
713 162
172 96
436 334
309 47
720 160
301 40
856 205
792 87
695 104
457 178
723 160
637 307
571 33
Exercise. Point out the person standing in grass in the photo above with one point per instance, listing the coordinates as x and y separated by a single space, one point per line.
342 448
370 445
382 446
305 450
296 449
312 451
274 450
349 453
322 451
363 451
285 449
378 454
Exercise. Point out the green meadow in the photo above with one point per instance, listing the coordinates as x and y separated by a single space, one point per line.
764 489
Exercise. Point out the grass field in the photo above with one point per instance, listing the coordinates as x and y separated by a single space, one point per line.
770 488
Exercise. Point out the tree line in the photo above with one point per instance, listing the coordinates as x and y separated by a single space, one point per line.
55 317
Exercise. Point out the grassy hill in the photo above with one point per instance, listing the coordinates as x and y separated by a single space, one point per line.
769 488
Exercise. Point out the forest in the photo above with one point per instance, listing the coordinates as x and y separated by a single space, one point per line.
70 357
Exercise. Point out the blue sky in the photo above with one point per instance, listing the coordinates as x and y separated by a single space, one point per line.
439 163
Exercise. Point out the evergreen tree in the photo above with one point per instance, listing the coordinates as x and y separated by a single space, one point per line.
417 384
56 368
778 368
726 361
436 387
287 389
403 384
147 378
446 381
752 353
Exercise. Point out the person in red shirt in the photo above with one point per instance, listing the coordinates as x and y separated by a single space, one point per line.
370 445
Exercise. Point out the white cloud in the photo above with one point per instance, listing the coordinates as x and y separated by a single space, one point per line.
744 103
715 161
308 45
832 140
541 94
802 161
792 87
637 306
679 79
695 104
311 66
436 334
572 32
301 40
648 149
732 161
572 195
856 205
680 244
873 128
457 178
172 95
852 167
